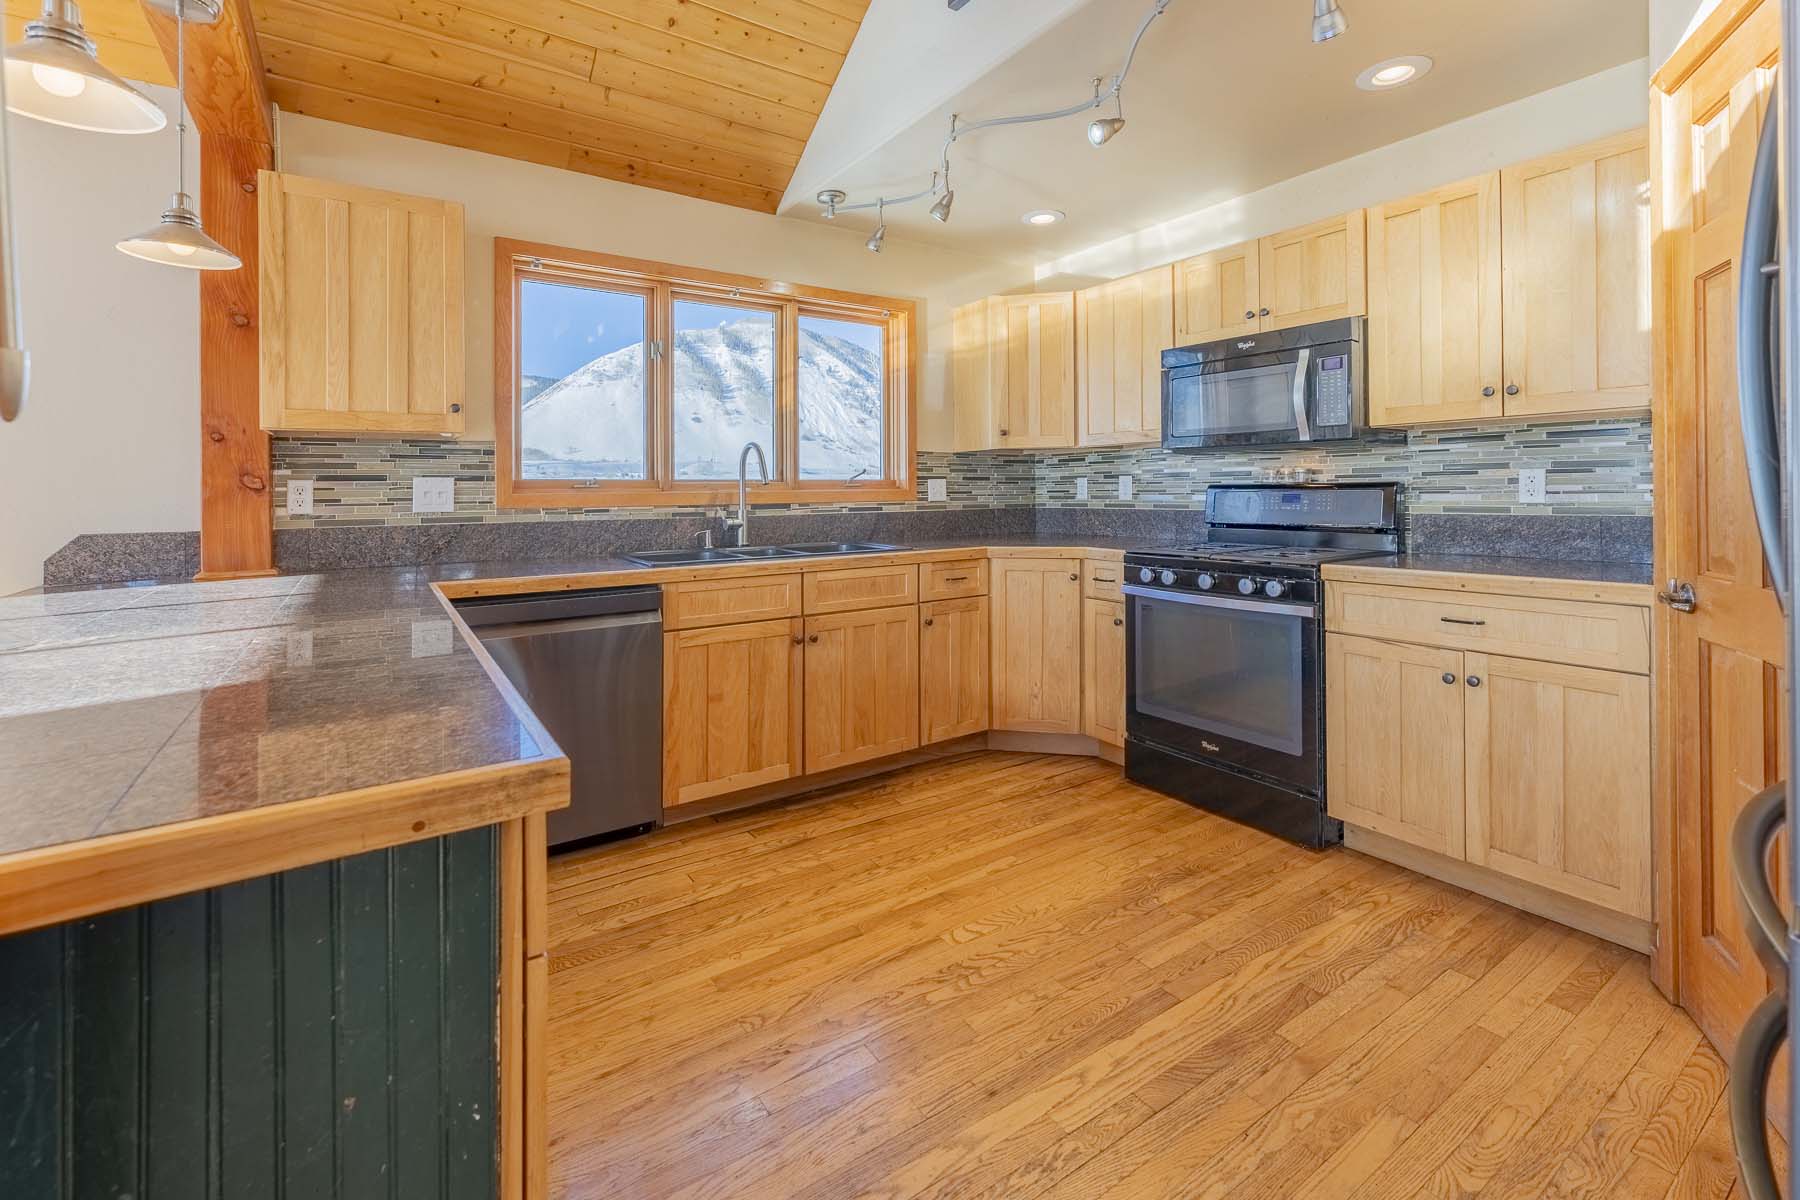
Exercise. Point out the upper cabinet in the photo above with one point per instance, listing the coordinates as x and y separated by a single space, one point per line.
361 309
1013 372
1314 273
1217 294
1575 247
1121 330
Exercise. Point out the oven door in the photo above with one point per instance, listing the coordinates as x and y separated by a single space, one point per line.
1233 682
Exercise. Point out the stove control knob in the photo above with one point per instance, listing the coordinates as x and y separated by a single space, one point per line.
1246 585
1274 589
1167 578
1145 574
1205 581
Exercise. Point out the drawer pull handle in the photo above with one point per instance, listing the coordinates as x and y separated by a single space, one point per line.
1104 579
1449 678
1460 621
1474 681
956 579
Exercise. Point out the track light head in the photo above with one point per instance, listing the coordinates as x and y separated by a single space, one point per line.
1101 131
1328 20
876 239
940 211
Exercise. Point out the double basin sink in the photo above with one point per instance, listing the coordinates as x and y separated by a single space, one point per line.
730 554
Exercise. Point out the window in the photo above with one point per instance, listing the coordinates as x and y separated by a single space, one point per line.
625 382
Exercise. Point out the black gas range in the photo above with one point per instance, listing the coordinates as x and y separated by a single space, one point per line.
1225 651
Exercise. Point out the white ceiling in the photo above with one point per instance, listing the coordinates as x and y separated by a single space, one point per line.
1226 96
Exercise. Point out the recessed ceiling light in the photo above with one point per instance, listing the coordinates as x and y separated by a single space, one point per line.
1393 73
1043 216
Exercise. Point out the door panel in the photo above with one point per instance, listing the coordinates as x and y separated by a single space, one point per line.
1038 408
731 708
862 686
1036 672
1314 273
1217 294
1122 328
1103 688
953 668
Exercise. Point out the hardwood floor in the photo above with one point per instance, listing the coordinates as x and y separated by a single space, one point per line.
1008 975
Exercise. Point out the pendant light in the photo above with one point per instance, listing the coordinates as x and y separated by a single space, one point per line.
53 76
177 239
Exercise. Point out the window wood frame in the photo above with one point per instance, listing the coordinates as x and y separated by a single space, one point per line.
516 261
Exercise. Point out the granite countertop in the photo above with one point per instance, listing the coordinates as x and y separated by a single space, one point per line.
1639 574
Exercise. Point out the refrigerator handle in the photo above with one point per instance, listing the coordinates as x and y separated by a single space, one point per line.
1757 1045
1752 832
1757 334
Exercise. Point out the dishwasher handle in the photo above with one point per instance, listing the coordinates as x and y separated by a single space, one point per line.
483 611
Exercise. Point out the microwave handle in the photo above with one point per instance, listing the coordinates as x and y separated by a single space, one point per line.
1302 427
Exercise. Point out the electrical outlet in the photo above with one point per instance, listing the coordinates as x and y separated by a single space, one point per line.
937 489
299 497
1531 486
1125 488
434 494
1081 492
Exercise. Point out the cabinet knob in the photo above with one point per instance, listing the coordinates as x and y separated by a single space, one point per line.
1487 391
1512 389
798 639
928 620
1262 312
456 408
1118 620
1074 577
1250 314
1006 433
1474 681
814 639
1449 678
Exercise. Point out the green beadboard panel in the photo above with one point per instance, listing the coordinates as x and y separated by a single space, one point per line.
322 1034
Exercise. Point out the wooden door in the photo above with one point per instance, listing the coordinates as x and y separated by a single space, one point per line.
1394 740
862 686
1037 644
953 668
1434 305
1121 330
1559 778
1103 659
1314 273
731 708
1575 249
1217 294
361 305
1719 716
1038 405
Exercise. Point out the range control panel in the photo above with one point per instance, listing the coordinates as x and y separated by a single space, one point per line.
1257 584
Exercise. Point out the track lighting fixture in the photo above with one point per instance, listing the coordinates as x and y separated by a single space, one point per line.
941 210
880 234
1328 20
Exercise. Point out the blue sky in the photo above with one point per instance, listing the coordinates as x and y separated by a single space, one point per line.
563 328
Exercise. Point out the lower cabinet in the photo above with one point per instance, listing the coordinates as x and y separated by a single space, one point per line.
1103 668
1037 644
953 668
862 686
731 708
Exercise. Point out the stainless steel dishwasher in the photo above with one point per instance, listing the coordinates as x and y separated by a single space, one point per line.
589 663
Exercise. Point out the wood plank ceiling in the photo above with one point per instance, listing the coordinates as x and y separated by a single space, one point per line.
713 99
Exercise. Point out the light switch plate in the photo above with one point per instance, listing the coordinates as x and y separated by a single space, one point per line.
937 489
1531 486
299 497
1081 492
1125 487
434 494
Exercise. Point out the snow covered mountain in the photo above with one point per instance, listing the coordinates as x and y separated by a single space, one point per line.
589 424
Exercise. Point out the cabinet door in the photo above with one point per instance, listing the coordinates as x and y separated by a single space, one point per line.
1314 273
1037 644
1394 740
1103 685
1038 405
862 686
731 708
361 296
1434 305
1559 778
977 373
1576 252
1121 330
953 668
1217 294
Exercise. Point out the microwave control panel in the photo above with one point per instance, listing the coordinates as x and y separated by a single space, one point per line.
1333 391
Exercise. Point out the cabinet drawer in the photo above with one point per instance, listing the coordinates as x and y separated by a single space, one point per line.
1613 636
952 580
851 588
1100 579
699 603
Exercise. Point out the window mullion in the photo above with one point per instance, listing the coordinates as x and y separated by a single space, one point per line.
662 378
787 391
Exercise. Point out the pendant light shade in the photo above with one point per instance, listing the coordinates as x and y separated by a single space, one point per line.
179 241
53 76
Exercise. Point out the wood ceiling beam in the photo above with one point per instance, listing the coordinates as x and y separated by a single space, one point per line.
228 98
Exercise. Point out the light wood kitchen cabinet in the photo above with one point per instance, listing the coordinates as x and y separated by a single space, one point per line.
1217 294
1434 351
731 708
1103 666
1559 778
1121 330
361 309
862 686
1037 644
1013 372
1575 249
1313 273
1394 740
953 668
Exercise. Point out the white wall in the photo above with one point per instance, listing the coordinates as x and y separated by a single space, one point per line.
109 441
507 198
1581 111
1670 22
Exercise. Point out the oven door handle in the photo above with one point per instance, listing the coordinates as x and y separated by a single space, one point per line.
1291 610
1302 427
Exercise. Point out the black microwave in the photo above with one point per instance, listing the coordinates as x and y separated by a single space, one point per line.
1289 387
